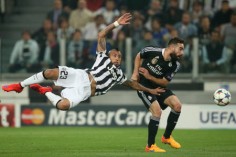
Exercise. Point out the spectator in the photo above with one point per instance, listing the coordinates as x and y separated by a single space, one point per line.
94 5
24 56
81 16
136 5
135 31
187 60
91 29
154 11
41 34
204 30
64 31
185 28
76 48
223 15
71 4
123 9
109 12
216 56
146 40
50 53
2 10
233 62
159 33
120 44
229 33
214 5
197 12
185 5
173 14
172 33
57 13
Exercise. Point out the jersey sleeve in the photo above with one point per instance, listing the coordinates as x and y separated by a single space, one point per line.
100 56
101 52
149 51
169 76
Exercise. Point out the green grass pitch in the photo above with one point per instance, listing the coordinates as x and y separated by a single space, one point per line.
111 142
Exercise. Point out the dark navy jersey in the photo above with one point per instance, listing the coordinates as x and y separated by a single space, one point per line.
154 62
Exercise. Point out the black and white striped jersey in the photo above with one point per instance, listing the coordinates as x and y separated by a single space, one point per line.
154 62
105 73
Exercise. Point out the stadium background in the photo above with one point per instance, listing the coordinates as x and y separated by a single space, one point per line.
119 111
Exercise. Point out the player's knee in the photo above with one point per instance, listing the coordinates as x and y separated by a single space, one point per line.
157 113
51 74
177 107
63 105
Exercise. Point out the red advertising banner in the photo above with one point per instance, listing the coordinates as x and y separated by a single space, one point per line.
7 115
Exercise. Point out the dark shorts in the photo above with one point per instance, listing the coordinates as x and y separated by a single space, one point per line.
148 98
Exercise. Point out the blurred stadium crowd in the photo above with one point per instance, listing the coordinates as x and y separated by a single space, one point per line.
154 22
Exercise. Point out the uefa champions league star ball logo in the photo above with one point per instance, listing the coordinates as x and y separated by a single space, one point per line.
154 60
170 64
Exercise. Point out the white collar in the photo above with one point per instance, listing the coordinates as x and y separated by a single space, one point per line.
163 51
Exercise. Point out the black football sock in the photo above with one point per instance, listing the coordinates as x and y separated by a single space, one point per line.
171 123
152 130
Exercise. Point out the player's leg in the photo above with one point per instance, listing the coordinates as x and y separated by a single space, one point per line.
70 97
153 127
172 120
56 100
49 74
76 85
153 106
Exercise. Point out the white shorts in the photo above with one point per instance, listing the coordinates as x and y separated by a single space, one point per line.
76 83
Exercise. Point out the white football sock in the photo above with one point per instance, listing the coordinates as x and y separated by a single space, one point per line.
53 98
36 78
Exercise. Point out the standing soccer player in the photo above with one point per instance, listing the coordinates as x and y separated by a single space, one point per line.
80 84
155 67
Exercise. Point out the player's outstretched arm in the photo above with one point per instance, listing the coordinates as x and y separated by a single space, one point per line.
123 20
137 86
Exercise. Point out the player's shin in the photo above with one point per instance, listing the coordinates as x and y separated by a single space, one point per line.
171 123
152 130
54 99
36 78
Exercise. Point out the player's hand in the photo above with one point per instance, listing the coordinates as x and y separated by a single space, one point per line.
157 91
144 72
124 19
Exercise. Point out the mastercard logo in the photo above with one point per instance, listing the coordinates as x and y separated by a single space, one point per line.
32 116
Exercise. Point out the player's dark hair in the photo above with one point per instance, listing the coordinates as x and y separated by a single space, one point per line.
175 41
108 53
